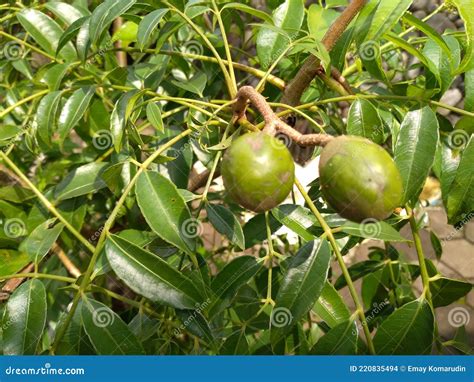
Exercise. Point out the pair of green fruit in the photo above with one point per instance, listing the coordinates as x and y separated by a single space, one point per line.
358 178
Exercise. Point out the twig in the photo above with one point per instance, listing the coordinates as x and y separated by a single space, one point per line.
121 56
12 284
68 264
273 124
310 68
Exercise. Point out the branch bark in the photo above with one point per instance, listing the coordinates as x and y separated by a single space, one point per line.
294 90
273 124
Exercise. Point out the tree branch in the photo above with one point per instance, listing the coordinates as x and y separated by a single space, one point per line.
273 124
310 68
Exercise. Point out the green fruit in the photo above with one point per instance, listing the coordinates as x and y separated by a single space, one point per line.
127 32
359 179
258 171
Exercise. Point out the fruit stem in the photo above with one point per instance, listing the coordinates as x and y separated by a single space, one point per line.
342 265
273 124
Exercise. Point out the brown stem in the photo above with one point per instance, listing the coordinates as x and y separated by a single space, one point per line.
12 284
198 180
68 264
273 124
294 90
121 56
337 75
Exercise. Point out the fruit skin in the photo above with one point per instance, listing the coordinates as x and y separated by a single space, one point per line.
127 33
359 179
258 171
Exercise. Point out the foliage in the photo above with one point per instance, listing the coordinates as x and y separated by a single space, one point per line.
106 221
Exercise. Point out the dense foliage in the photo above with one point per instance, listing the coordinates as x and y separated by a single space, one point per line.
114 120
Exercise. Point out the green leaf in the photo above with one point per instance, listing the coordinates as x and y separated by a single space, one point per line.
359 270
364 120
195 85
272 42
408 330
40 241
153 114
12 261
449 164
120 115
415 150
340 340
166 211
234 275
445 291
296 218
54 75
460 198
331 307
9 131
301 287
255 230
107 332
46 115
24 319
465 11
83 41
73 110
104 14
81 181
195 323
226 223
15 194
235 344
148 25
373 230
436 244
319 20
379 17
444 62
46 32
397 41
143 326
469 88
250 10
66 12
428 31
70 32
75 340
149 275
